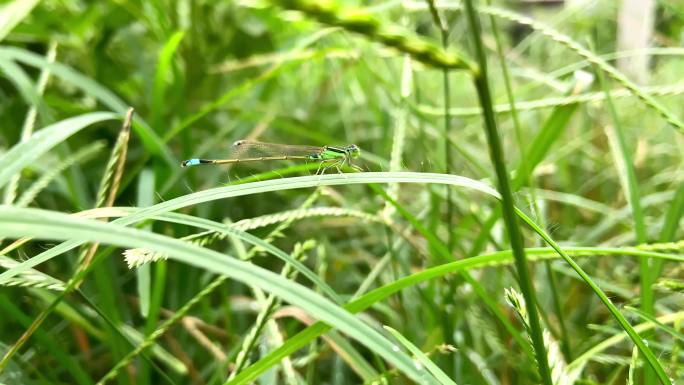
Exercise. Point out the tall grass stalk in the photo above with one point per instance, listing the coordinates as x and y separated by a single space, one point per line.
628 180
527 177
364 23
480 79
443 28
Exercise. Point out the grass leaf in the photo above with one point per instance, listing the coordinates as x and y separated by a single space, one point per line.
12 13
24 154
18 222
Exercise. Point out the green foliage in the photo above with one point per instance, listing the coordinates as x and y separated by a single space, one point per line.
266 273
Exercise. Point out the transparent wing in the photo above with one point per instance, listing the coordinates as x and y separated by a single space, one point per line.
244 149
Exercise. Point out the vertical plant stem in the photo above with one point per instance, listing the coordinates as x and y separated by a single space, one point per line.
441 24
565 344
496 153
444 33
628 180
447 153
399 137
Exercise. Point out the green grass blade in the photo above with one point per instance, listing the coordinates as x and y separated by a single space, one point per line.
499 258
421 357
481 82
161 76
245 86
145 197
445 256
27 89
18 222
153 144
343 179
633 335
674 215
251 239
551 102
669 330
670 224
25 153
630 187
646 98
66 361
265 186
581 361
30 121
44 181
543 142
12 13
365 23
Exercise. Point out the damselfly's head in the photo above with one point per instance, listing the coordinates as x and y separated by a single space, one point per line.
353 150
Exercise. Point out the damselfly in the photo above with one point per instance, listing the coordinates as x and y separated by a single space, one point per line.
251 151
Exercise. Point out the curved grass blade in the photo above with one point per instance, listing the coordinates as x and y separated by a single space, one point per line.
161 75
611 71
25 86
581 361
445 256
626 326
421 357
260 187
365 23
13 13
153 144
647 317
20 222
23 154
342 179
30 121
251 239
498 258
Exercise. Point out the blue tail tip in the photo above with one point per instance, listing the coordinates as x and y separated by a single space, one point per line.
190 162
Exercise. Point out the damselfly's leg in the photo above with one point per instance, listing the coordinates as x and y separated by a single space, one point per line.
352 165
320 165
329 165
336 165
321 168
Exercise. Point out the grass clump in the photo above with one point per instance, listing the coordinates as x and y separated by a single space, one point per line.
494 172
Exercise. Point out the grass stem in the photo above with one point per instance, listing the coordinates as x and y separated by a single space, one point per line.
496 153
